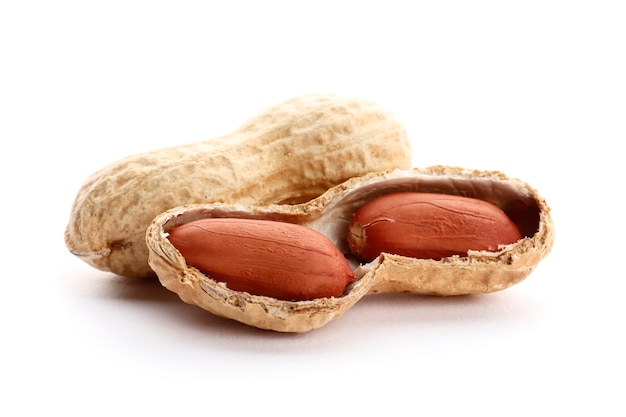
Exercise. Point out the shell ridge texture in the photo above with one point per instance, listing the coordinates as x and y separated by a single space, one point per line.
265 161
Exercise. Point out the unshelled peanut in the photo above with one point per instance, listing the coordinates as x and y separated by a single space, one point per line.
280 260
290 153
428 226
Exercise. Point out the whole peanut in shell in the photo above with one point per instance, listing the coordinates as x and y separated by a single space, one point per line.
290 153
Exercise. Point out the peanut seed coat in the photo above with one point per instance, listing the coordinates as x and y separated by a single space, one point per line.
274 259
428 226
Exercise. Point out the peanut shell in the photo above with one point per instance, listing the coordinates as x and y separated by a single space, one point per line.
290 153
478 272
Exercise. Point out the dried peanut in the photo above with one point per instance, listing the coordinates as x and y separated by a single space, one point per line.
428 225
476 272
274 259
290 153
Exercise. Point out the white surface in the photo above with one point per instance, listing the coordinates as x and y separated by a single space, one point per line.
535 89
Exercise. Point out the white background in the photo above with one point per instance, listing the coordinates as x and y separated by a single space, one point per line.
535 89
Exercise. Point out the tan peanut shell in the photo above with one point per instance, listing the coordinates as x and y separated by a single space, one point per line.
330 214
290 153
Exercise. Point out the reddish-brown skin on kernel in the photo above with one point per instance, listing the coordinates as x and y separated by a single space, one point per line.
428 226
279 260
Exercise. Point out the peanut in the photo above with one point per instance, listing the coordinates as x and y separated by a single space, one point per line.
273 259
428 225
477 272
290 153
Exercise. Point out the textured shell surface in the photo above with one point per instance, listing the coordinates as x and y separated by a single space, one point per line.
290 153
478 272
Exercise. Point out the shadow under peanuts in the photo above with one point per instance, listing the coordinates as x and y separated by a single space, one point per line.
167 304
372 317
411 310
219 331
139 290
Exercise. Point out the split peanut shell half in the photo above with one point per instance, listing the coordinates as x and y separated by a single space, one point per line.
478 272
